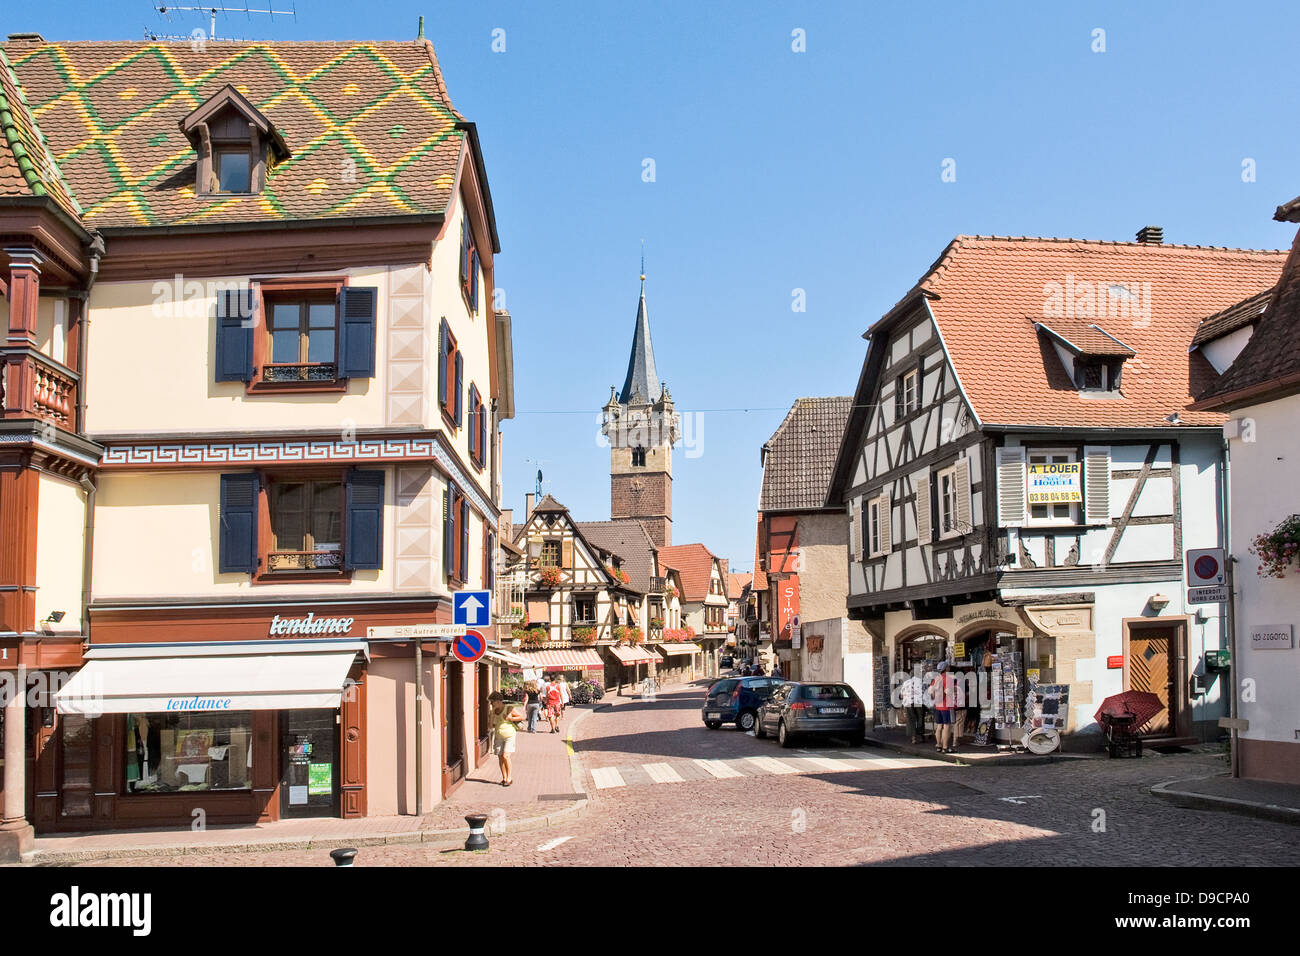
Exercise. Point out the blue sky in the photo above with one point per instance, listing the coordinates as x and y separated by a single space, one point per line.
819 170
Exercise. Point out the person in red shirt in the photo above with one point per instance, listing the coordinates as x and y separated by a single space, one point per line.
943 692
554 704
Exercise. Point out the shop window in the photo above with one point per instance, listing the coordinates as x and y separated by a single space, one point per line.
187 752
1057 513
306 525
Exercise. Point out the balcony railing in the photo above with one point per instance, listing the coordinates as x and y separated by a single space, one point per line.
658 585
305 561
33 385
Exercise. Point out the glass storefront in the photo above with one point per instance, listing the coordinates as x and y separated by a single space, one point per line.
182 752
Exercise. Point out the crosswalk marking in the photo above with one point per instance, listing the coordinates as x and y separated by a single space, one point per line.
771 765
826 763
719 769
662 773
606 777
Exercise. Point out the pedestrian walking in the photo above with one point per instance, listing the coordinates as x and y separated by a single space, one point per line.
504 717
532 704
565 695
912 697
553 706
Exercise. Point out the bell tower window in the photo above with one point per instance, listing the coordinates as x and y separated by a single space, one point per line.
638 457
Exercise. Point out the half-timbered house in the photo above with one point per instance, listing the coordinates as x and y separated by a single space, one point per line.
1022 475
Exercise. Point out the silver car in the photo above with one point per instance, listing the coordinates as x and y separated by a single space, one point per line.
804 709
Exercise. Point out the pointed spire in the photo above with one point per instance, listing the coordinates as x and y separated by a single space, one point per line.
641 375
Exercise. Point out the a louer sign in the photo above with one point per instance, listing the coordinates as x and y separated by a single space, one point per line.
311 624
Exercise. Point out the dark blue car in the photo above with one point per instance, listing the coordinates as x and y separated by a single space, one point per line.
736 700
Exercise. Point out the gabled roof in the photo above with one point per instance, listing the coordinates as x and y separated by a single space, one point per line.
28 168
228 96
1234 317
694 564
800 455
548 504
627 538
1269 366
371 130
737 582
1084 338
642 380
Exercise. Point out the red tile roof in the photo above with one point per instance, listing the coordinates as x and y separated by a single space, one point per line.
736 583
982 289
1084 336
694 563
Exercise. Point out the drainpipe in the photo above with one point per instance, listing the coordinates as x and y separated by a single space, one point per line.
1230 615
96 252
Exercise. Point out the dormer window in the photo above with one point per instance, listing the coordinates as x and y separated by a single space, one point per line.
234 143
1091 356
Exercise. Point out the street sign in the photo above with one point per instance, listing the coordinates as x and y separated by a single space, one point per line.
469 647
405 631
1205 567
471 608
1212 595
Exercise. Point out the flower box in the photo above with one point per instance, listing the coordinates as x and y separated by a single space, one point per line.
584 635
550 577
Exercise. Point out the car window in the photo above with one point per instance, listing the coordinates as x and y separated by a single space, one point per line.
827 692
723 687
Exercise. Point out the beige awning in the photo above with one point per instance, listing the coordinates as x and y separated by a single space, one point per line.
637 654
505 657
680 647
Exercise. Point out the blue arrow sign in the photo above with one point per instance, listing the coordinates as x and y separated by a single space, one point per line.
471 608
469 647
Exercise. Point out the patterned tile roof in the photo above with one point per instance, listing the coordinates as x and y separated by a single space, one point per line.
27 167
694 564
799 457
370 127
982 288
1246 312
628 539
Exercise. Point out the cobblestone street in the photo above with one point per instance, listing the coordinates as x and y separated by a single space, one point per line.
684 795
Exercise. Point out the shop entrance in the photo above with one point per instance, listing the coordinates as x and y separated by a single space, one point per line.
453 724
309 771
1152 667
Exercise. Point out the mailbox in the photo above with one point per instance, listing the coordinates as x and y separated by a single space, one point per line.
1218 660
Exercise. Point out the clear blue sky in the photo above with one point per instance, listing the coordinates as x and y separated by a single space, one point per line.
819 170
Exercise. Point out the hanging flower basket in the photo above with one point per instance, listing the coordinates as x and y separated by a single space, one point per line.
531 636
550 577
1277 549
673 592
627 634
584 635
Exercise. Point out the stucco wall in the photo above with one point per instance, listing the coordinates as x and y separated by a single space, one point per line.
60 539
390 737
823 573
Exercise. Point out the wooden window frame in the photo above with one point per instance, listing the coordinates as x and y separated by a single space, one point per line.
469 267
1075 517
947 523
477 428
447 363
876 546
559 553
266 293
266 538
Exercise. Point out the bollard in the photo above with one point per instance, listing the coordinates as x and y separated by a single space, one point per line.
476 841
343 857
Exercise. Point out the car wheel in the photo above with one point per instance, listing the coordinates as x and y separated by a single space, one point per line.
747 720
713 724
759 732
783 736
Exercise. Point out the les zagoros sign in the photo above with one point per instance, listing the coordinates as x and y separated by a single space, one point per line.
1058 483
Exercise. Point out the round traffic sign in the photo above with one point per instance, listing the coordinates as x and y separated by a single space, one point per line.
469 647
1206 567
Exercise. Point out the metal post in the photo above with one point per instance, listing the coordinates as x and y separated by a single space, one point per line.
419 728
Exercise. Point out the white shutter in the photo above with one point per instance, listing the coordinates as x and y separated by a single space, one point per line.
1011 487
886 544
1096 484
855 530
961 476
924 529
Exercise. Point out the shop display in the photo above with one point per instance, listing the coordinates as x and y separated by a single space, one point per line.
1007 689
1048 707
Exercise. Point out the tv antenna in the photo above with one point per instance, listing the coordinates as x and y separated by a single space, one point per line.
167 10
538 462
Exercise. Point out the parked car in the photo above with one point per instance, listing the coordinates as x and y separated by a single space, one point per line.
736 700
805 709
727 661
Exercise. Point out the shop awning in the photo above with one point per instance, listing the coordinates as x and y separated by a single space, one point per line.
506 657
680 647
229 675
634 655
562 659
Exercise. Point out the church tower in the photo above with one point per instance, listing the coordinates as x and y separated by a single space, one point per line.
642 427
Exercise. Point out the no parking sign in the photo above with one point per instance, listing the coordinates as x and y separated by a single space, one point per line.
469 647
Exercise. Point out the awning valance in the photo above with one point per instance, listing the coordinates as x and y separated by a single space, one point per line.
506 657
224 676
635 654
562 659
680 647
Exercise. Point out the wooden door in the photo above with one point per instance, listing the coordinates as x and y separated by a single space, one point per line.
1151 669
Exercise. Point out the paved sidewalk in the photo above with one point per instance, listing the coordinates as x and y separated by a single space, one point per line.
897 741
547 789
1254 798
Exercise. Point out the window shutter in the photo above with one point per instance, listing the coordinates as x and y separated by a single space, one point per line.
237 547
924 524
357 308
235 335
448 533
442 363
566 553
464 540
898 398
473 280
489 562
1096 484
464 252
364 543
1011 487
482 431
886 542
855 530
961 475
460 389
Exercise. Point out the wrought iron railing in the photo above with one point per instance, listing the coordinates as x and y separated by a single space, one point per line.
305 561
306 372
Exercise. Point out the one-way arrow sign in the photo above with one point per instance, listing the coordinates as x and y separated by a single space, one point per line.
471 608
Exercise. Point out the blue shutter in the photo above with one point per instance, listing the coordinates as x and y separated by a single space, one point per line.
442 363
489 562
473 281
482 432
357 306
464 252
460 390
364 541
235 335
448 533
237 547
473 423
464 540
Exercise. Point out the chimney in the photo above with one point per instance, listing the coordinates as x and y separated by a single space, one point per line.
506 525
530 500
26 39
1151 235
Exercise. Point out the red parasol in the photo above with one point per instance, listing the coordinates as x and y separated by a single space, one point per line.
1138 704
